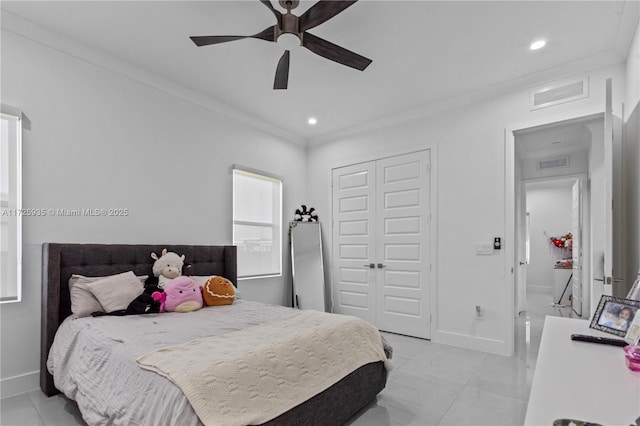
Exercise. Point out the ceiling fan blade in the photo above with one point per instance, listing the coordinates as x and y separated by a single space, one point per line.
321 12
282 72
334 52
269 34
276 12
207 40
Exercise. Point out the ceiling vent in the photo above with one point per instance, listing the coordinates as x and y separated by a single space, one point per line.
553 163
559 93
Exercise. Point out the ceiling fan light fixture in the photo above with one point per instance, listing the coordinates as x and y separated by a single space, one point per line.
312 121
538 44
289 41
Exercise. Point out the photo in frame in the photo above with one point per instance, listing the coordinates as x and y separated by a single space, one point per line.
614 315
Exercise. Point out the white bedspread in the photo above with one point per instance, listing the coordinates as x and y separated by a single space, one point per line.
254 375
93 361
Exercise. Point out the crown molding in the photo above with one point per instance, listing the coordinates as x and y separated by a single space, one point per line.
608 58
42 35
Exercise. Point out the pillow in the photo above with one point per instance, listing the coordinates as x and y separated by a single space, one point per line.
83 302
218 291
116 292
201 280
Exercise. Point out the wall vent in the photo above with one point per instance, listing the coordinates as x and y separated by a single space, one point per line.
559 93
553 163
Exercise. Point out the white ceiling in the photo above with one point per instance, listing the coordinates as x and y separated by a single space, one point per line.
422 51
556 139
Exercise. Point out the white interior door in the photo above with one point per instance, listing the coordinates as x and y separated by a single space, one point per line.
381 242
402 244
576 254
604 284
608 192
354 241
523 247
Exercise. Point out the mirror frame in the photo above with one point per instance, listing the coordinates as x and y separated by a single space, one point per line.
294 290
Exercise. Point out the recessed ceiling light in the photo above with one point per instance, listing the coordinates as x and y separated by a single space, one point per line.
538 44
312 120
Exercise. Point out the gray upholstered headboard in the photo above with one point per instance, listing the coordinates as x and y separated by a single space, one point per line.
60 261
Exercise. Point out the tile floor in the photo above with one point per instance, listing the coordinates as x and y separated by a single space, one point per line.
431 384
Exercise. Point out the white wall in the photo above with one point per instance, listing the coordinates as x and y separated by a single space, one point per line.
470 200
632 95
549 207
101 140
631 162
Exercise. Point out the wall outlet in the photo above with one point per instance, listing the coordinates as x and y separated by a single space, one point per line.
484 249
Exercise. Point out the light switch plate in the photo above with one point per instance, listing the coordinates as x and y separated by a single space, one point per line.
484 249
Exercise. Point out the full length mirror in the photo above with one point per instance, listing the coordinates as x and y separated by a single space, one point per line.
307 266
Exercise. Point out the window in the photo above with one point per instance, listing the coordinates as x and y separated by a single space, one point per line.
257 222
10 204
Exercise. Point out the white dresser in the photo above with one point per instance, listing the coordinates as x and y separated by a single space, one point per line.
581 381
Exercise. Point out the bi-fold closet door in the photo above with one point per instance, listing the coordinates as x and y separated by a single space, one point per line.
381 242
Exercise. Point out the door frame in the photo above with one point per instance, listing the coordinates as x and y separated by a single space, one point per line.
511 252
433 229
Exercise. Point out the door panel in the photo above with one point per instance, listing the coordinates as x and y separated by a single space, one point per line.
576 254
402 244
608 191
381 242
353 240
603 284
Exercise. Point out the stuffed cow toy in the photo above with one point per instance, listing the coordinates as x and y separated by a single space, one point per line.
167 267
181 294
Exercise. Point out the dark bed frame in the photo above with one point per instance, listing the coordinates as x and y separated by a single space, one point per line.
333 406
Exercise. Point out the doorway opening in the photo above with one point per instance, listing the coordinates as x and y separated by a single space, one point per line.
554 240
555 207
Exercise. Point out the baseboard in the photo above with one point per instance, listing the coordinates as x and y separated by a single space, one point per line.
15 385
540 289
471 342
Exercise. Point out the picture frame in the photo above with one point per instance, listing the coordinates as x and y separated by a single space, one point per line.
614 315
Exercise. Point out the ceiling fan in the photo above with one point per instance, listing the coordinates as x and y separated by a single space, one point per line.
289 23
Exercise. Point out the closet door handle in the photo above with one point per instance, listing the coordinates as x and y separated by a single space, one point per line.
369 265
380 265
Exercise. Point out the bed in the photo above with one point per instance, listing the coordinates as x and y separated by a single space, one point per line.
333 405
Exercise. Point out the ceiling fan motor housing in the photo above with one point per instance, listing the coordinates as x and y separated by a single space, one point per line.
290 25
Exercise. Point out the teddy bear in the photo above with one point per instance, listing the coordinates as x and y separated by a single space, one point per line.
218 291
166 267
180 294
